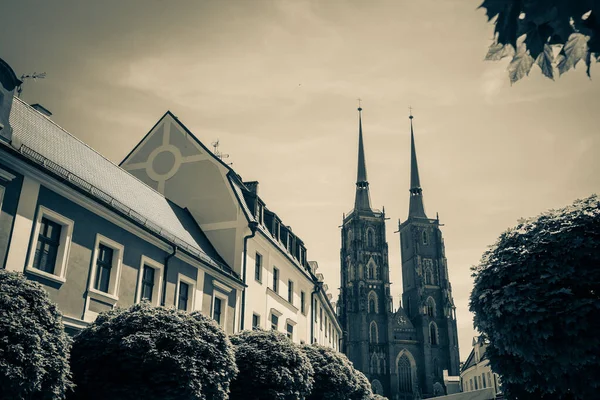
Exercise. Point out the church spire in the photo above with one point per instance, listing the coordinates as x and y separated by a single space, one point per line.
416 207
363 200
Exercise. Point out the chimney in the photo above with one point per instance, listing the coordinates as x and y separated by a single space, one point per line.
8 83
42 109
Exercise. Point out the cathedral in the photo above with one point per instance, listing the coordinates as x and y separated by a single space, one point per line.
403 352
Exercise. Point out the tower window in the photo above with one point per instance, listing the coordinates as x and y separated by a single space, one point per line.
425 238
370 238
433 334
373 333
430 307
373 302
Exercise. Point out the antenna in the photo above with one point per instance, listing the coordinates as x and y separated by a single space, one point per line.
217 153
34 76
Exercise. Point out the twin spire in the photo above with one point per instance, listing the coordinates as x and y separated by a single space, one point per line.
362 201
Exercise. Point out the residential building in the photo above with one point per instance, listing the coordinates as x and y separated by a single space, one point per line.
283 290
476 373
92 234
402 352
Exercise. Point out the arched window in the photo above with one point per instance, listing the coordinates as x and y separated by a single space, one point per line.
350 237
373 333
373 303
351 272
433 334
377 387
430 307
373 364
370 237
428 275
425 238
404 375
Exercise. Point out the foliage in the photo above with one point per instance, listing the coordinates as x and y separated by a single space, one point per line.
379 397
536 299
335 376
270 367
34 347
147 352
536 27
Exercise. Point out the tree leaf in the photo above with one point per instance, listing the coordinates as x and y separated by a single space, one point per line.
498 51
494 7
545 60
573 51
520 65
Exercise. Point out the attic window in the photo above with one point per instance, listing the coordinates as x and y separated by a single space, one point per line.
290 243
276 229
260 213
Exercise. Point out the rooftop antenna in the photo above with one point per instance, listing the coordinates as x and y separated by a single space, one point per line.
217 153
34 76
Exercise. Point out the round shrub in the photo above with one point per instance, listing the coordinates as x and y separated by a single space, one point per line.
537 299
335 376
271 367
152 353
34 348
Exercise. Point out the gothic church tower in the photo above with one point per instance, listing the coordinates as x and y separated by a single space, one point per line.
365 300
427 294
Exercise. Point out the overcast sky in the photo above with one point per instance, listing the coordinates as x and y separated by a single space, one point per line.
277 82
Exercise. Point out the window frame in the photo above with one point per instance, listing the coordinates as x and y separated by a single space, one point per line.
191 299
290 296
275 282
117 263
256 317
258 261
274 325
64 248
158 279
290 323
224 300
303 302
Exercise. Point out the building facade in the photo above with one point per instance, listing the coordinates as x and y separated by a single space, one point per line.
476 373
284 292
405 351
94 236
172 225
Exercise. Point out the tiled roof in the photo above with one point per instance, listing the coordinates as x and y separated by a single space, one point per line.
57 150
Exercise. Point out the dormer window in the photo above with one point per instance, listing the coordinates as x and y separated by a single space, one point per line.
276 230
290 243
260 213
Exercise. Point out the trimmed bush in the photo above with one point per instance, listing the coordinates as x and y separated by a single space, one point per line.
271 367
335 376
152 353
537 299
34 348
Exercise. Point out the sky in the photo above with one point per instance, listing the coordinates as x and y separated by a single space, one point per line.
277 82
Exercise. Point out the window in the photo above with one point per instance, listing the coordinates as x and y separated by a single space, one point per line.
147 283
274 322
373 333
425 238
290 243
103 268
372 304
315 308
258 267
51 242
483 379
326 325
290 331
303 302
476 385
433 334
321 317
276 230
471 383
404 375
430 307
275 279
183 297
291 292
428 274
255 321
217 309
47 246
480 386
370 237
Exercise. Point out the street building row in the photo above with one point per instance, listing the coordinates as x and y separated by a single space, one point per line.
172 224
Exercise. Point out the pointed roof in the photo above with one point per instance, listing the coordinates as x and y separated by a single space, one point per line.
363 199
416 207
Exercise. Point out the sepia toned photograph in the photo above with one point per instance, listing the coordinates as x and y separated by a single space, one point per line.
299 200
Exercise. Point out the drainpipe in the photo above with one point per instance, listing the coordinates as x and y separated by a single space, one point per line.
314 313
253 225
166 269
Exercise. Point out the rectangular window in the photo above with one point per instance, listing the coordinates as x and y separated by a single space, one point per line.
274 322
315 310
104 263
290 243
290 331
275 279
182 299
483 378
291 292
479 381
258 267
255 321
148 283
303 302
476 385
321 317
47 246
217 309
326 326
